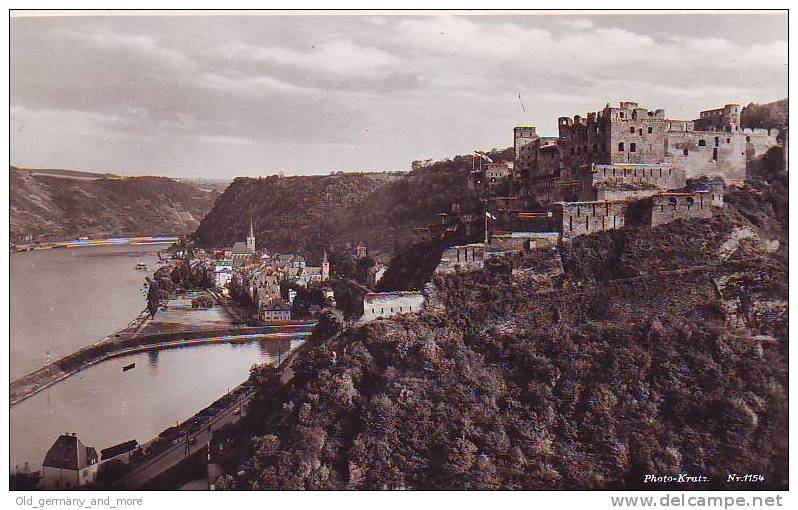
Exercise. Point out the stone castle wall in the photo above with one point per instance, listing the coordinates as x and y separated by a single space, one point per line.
578 218
469 257
667 207
388 304
662 176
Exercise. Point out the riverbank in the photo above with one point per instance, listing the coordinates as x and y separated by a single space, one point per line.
113 347
84 243
166 453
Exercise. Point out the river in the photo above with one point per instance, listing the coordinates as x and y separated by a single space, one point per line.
64 299
67 298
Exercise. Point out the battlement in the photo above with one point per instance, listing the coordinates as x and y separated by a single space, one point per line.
667 207
573 219
631 110
660 176
760 132
524 131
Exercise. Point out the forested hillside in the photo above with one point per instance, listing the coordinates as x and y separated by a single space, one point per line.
767 115
49 205
656 351
308 213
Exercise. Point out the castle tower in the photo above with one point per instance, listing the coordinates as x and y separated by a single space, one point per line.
251 237
325 268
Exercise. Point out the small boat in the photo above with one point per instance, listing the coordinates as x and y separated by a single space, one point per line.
128 367
141 265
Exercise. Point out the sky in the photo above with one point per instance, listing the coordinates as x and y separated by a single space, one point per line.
223 96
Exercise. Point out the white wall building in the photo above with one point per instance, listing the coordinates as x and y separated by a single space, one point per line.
388 304
68 464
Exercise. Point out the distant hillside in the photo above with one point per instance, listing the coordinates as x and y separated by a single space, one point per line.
307 213
57 205
289 213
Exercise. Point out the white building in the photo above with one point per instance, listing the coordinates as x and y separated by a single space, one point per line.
69 464
222 273
388 304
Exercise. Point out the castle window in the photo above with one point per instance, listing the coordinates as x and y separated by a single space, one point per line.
748 139
715 154
702 143
717 141
621 114
650 129
728 140
620 147
640 132
632 129
685 152
632 147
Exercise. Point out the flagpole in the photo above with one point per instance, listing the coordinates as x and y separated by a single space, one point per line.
486 222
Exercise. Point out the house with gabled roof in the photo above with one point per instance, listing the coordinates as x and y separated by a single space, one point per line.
69 464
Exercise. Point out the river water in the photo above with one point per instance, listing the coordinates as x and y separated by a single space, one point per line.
62 300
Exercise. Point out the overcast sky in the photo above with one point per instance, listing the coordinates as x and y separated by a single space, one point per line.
224 96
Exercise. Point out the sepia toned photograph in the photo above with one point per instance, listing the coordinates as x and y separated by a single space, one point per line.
541 251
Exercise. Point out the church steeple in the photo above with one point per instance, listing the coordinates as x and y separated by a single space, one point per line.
251 236
325 268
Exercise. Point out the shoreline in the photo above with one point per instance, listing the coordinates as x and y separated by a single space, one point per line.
240 396
87 243
29 385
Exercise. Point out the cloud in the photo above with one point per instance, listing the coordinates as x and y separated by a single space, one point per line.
217 96
578 23
340 56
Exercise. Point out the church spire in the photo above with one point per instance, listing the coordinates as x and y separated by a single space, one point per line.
251 237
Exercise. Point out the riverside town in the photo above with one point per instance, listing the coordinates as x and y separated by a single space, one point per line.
243 260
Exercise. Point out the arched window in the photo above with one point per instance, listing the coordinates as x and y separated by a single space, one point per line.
702 143
620 147
650 129
685 152
748 139
632 147
632 129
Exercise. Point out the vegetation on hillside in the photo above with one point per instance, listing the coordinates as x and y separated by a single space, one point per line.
54 207
307 213
768 115
631 365
295 214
